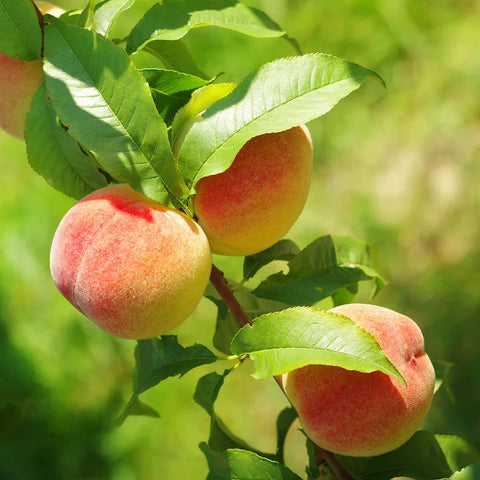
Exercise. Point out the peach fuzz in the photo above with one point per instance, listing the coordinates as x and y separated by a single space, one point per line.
254 203
134 267
19 81
366 414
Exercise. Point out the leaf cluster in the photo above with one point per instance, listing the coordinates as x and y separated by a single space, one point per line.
99 119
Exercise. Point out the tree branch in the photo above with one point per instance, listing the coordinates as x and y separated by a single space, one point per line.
220 283
333 463
218 280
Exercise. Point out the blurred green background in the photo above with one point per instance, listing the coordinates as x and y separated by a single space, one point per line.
397 168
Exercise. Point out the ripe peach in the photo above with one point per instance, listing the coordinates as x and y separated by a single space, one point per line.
19 81
134 267
366 414
254 203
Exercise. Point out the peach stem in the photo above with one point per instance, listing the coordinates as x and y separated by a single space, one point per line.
218 280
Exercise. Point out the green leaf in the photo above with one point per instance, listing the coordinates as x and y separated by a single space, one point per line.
284 421
277 96
107 13
442 377
239 464
227 326
312 468
189 114
156 360
421 458
283 250
20 34
106 103
175 56
171 90
220 437
136 407
160 358
472 472
207 390
327 265
55 155
458 452
173 19
283 341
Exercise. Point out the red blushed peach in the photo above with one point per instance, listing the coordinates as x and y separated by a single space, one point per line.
366 414
254 203
133 266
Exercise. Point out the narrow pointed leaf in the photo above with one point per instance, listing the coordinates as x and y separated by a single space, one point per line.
173 19
20 34
190 113
276 97
283 341
236 464
324 267
106 103
55 155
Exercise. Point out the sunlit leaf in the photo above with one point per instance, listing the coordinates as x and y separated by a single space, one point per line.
189 114
279 95
283 341
173 19
106 103
107 13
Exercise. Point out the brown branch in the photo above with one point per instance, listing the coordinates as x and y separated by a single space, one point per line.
332 461
221 285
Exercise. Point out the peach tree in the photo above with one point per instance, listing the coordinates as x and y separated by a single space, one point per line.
224 167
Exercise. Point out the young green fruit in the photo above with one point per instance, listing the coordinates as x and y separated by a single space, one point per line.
134 267
365 414
254 203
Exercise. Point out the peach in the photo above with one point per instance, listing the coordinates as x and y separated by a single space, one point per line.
134 267
19 81
366 414
254 203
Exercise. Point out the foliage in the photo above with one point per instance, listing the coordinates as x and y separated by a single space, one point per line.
90 111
